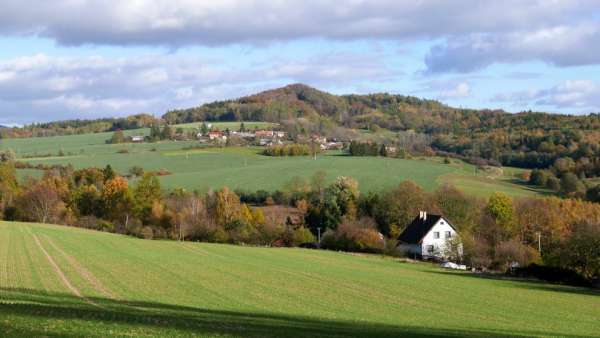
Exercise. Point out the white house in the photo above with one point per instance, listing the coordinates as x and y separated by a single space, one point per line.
137 138
427 237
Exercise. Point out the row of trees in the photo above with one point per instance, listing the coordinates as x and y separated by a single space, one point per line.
289 150
494 231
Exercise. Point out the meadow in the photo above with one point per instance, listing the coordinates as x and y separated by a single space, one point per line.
57 280
244 168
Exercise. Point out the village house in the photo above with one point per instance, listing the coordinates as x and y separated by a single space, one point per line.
427 237
216 134
263 133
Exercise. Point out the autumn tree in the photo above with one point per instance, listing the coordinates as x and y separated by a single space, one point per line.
117 200
43 200
117 137
146 191
398 207
228 207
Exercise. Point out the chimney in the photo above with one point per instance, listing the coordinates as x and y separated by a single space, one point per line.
420 214
424 215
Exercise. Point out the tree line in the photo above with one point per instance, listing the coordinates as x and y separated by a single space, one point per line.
495 232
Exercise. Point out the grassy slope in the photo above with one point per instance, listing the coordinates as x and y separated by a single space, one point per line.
130 286
244 168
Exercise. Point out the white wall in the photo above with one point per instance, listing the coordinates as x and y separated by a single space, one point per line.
438 243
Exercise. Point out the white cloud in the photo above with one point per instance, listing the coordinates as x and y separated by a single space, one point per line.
578 96
41 88
461 90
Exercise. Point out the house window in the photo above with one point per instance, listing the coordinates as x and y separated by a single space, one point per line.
436 234
448 234
430 249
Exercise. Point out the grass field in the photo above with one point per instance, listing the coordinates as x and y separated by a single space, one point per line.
245 168
64 281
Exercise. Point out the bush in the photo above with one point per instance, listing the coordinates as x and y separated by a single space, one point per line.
354 235
552 274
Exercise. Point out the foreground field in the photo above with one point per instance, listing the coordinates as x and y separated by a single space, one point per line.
245 168
72 282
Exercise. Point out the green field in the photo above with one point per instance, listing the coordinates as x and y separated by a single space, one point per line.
245 168
64 281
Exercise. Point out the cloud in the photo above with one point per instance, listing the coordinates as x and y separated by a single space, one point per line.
561 46
579 96
192 22
41 88
459 91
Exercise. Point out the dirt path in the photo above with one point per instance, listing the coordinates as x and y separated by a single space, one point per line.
84 273
61 274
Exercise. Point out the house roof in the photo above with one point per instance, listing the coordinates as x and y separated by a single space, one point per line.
418 228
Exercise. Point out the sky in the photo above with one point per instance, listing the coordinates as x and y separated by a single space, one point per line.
66 59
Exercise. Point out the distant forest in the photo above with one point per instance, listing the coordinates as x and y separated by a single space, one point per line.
558 143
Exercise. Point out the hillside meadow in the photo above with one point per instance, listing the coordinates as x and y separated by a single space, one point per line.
65 281
194 167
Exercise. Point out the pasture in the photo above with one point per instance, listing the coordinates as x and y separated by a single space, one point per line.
57 280
244 168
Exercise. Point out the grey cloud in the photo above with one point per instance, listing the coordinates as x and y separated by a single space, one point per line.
560 46
190 22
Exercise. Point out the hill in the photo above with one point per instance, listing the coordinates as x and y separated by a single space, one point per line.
527 139
71 282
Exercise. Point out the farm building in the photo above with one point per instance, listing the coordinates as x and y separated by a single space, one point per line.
137 138
212 135
427 236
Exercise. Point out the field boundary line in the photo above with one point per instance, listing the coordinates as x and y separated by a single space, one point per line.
83 272
61 274
200 251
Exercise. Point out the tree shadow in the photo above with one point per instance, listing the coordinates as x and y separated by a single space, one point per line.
131 317
527 283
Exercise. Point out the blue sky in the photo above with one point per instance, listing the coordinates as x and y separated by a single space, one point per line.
87 58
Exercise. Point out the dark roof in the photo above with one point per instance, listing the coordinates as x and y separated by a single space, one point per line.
418 228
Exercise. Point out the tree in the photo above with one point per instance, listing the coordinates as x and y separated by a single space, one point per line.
204 129
8 185
117 137
167 133
42 200
571 186
582 250
398 207
145 193
88 201
108 173
500 208
155 133
117 200
228 207
242 127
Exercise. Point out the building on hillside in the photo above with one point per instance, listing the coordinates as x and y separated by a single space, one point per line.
137 138
263 133
427 237
212 135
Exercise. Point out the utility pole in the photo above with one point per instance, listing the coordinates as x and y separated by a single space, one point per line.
319 238
540 242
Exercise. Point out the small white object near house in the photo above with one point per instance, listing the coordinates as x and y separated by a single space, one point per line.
137 138
453 266
427 237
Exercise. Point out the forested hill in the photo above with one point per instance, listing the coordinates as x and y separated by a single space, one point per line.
394 112
527 139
